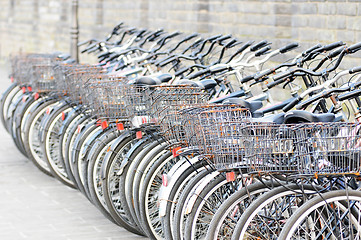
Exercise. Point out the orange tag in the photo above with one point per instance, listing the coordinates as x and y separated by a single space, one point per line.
175 150
36 96
23 89
48 110
24 98
230 176
79 128
62 116
120 126
104 125
30 89
99 122
12 79
139 135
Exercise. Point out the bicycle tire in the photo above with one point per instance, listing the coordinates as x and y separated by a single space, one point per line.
70 120
334 204
94 177
88 151
51 146
115 202
6 98
179 217
77 150
128 177
148 197
16 118
180 184
72 132
31 141
207 203
223 222
247 224
140 174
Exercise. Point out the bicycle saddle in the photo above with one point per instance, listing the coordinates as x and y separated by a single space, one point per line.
154 79
204 84
274 118
299 116
239 93
252 106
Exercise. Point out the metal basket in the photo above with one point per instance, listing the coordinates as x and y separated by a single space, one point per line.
22 66
43 75
223 133
105 98
269 148
138 104
190 133
328 148
167 104
72 79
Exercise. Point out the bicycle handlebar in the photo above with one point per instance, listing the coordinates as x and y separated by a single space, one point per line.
248 78
259 45
332 46
262 51
223 38
307 51
319 96
354 48
352 94
167 61
90 41
241 49
355 69
275 83
198 73
335 52
316 51
289 47
324 93
291 104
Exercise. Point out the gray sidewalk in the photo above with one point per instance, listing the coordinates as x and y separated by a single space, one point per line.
38 207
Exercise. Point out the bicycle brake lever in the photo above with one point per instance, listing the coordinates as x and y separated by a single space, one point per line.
288 82
259 81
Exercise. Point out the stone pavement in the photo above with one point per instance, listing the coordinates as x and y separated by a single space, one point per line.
34 206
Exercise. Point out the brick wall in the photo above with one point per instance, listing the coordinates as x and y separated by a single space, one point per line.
44 25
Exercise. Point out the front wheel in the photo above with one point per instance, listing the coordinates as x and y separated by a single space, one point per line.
332 215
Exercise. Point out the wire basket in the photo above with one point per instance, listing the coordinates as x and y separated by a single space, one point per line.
105 98
328 148
72 79
43 77
138 104
269 148
167 104
223 135
189 135
22 66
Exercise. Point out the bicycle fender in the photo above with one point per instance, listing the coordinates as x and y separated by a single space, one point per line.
173 175
198 190
51 109
70 116
111 149
137 144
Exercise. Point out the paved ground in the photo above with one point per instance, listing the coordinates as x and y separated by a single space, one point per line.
35 206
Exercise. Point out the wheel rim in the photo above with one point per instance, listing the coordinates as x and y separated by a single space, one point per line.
34 141
151 199
329 219
52 145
